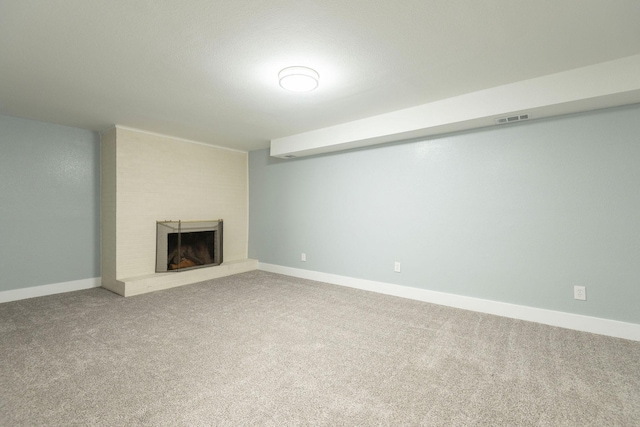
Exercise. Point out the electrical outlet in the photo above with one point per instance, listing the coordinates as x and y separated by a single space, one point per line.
396 267
303 256
580 292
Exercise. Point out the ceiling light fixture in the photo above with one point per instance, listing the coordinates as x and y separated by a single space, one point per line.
298 79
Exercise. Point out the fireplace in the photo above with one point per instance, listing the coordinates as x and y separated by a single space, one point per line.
185 245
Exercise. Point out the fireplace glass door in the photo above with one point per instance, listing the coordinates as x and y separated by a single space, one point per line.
185 245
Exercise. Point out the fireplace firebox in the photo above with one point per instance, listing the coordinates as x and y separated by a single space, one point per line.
185 245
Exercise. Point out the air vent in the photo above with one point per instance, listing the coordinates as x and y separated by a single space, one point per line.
289 156
511 119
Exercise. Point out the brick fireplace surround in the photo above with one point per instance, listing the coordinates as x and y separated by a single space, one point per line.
147 178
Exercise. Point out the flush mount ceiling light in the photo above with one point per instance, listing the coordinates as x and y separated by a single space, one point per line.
298 79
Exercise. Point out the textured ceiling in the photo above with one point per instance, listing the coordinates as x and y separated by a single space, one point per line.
207 70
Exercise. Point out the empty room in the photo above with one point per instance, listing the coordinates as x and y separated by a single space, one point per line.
319 213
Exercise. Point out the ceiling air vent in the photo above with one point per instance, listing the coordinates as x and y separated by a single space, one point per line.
511 119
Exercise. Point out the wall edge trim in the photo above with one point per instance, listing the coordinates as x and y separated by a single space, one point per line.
177 138
578 322
51 289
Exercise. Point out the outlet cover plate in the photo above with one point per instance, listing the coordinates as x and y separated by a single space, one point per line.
580 293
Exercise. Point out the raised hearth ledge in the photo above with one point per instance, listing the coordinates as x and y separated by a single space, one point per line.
156 282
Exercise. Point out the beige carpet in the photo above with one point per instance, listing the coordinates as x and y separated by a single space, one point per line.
269 350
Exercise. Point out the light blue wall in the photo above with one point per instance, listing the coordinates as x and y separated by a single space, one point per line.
519 213
49 204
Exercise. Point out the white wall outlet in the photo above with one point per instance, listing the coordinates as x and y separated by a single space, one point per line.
580 292
396 267
303 256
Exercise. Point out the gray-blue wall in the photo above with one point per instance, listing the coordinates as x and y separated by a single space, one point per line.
518 213
49 203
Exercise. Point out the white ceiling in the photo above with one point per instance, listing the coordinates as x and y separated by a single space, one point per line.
206 70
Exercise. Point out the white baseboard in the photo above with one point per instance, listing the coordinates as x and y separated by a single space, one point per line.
55 288
596 325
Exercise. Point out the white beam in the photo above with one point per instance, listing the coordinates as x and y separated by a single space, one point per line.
596 86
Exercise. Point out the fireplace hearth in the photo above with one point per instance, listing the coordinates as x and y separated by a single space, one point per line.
185 245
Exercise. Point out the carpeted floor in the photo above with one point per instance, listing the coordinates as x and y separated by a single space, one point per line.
270 350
